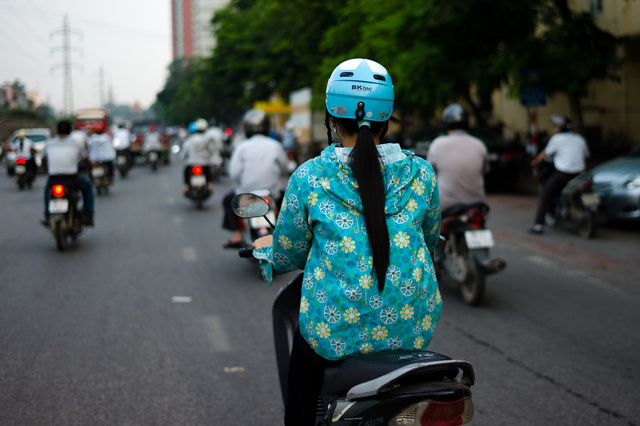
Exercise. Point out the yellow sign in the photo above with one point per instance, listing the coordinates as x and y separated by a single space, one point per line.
274 107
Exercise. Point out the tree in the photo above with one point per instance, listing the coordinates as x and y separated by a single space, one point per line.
571 52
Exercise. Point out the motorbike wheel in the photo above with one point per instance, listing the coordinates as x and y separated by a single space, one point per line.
61 235
472 288
585 222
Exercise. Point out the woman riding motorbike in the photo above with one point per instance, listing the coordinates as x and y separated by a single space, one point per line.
361 220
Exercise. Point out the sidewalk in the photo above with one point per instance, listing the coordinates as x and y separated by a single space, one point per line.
613 255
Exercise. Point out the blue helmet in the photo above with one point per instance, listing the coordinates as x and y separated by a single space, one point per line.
360 80
192 127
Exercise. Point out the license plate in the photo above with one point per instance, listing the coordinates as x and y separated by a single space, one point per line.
21 169
198 180
60 205
478 239
97 171
261 222
590 200
153 156
122 160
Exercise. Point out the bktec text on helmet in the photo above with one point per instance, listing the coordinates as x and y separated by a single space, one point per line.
361 88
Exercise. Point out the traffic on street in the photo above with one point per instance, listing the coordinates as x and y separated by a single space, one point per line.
147 319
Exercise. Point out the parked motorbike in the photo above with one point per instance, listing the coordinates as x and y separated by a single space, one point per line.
198 190
577 206
122 162
464 253
390 388
100 176
23 173
66 213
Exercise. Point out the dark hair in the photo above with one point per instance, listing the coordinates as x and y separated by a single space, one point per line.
64 127
365 164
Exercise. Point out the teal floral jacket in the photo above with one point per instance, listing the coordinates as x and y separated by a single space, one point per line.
321 229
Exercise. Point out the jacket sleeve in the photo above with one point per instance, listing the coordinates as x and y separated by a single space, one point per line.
431 221
292 237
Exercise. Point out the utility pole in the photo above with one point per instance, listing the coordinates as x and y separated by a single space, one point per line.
101 85
66 64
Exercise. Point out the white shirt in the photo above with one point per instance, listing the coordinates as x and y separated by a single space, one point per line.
216 135
101 148
258 163
460 162
569 151
152 142
199 149
122 139
63 155
25 150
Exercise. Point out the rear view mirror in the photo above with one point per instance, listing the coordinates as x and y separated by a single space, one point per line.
249 205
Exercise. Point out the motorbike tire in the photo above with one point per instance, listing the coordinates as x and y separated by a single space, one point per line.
61 235
472 288
585 222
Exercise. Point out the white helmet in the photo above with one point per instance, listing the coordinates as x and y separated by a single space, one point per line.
201 125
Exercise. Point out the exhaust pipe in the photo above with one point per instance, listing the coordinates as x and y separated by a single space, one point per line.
494 265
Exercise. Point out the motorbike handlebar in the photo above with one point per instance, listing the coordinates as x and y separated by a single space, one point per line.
246 252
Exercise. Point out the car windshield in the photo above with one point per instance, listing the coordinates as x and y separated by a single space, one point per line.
36 138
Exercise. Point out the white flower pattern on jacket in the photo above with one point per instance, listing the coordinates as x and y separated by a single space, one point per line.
321 229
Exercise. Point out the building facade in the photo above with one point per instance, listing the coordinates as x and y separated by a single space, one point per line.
192 30
611 112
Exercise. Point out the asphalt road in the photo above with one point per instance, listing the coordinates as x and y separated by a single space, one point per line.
147 320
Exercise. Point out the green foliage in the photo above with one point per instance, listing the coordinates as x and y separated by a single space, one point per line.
437 51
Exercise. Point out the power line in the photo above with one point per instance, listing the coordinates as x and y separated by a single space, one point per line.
67 65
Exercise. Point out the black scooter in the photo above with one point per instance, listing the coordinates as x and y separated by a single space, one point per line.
386 388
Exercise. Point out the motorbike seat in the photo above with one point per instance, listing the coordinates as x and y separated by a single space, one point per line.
360 368
461 208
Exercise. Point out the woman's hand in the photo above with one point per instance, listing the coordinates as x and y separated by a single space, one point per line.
265 241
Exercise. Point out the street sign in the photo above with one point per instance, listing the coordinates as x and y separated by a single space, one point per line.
533 91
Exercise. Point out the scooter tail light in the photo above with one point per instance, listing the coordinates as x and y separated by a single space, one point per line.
476 220
436 413
58 190
197 170
21 161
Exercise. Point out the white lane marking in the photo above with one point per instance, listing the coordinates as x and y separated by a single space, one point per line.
217 336
181 299
234 369
189 254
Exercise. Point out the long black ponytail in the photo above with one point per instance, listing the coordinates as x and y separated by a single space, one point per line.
365 164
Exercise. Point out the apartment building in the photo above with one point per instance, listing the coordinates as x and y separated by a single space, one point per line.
192 30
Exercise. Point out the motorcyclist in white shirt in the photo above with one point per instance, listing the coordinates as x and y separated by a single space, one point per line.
101 149
216 135
122 141
61 156
199 149
152 140
257 163
569 152
25 148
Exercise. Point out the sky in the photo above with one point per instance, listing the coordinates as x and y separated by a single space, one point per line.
130 40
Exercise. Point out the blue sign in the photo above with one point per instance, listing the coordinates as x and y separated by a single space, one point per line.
533 91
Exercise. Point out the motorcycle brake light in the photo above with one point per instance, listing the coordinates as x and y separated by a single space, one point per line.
475 220
21 161
197 170
58 190
436 413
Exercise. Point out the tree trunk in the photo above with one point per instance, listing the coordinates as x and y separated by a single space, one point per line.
576 113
